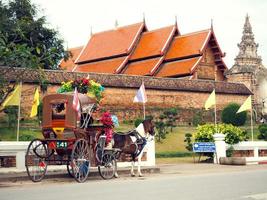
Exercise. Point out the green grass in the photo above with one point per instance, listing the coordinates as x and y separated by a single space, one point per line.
10 134
173 154
174 141
174 160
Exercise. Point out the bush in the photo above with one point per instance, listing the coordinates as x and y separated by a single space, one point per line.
26 138
138 121
229 115
233 134
188 141
230 151
12 113
263 132
197 118
173 154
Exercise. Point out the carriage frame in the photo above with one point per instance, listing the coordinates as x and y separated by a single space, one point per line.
70 139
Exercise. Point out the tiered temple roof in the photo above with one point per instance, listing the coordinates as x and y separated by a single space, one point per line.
133 50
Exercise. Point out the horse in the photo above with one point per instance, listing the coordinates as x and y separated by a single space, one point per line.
134 141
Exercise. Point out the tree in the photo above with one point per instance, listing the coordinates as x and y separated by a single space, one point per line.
162 128
170 116
263 132
25 39
229 115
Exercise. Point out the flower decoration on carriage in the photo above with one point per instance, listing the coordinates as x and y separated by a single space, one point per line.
84 86
106 120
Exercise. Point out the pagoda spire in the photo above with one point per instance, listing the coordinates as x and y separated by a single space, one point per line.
248 47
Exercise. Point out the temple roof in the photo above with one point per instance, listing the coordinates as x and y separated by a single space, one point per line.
153 43
134 50
188 45
178 68
69 64
105 66
144 67
112 43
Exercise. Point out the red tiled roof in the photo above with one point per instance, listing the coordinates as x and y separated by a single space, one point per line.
178 68
142 68
69 64
153 43
105 66
111 43
187 45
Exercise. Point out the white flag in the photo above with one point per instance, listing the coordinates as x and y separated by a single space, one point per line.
76 103
141 95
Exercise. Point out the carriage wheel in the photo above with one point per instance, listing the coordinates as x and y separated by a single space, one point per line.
35 162
107 168
69 169
80 160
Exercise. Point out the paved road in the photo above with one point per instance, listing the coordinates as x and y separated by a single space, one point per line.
233 185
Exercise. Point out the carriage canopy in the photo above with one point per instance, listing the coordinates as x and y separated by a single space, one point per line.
58 111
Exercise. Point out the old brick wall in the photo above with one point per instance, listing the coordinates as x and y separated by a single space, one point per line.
120 102
187 95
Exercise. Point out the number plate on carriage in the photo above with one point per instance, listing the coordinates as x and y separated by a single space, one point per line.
61 144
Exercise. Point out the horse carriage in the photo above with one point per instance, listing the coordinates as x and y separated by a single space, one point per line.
70 139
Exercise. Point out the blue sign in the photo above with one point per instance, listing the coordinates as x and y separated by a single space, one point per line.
202 147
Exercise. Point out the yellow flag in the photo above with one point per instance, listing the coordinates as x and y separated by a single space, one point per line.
14 98
246 105
35 104
211 101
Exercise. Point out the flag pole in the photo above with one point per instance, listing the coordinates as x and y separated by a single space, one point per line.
215 114
19 111
251 123
144 108
215 108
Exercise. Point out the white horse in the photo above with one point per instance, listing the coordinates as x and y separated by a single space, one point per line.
134 142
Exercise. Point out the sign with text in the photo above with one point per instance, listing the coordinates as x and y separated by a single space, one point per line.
202 147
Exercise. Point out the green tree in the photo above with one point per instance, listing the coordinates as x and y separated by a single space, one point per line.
25 38
26 41
263 132
188 141
170 116
229 115
162 128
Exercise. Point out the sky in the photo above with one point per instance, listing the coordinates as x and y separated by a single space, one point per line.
74 19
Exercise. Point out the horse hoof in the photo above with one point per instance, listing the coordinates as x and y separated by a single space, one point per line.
140 175
132 175
116 175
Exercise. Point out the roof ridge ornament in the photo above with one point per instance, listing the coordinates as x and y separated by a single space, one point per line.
211 24
91 31
116 24
144 18
176 25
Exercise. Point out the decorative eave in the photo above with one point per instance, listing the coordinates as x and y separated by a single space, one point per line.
212 40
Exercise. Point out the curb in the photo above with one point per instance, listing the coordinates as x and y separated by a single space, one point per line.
52 174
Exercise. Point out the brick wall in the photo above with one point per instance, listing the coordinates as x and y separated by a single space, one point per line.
120 102
120 90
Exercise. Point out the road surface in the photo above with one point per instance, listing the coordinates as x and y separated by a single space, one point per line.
234 185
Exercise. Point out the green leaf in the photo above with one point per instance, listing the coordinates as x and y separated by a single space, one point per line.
38 50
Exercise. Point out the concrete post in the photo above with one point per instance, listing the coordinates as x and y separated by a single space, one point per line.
256 152
151 157
220 147
20 160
